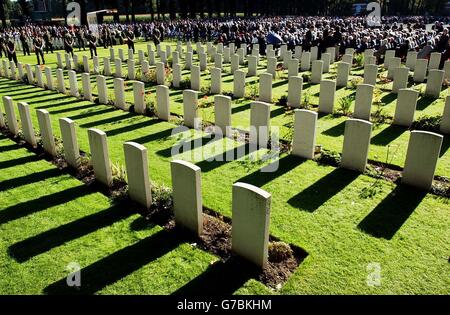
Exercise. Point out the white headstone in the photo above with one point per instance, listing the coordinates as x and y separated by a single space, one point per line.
190 109
405 107
421 158
46 131
10 115
70 142
100 156
187 195
27 125
327 96
251 218
163 102
136 163
356 144
304 141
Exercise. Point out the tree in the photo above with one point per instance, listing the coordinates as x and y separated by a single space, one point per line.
26 7
2 12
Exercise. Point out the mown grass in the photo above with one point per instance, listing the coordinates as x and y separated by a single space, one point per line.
319 208
49 219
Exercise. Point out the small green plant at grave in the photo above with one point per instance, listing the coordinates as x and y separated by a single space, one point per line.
79 67
85 162
377 95
204 102
25 79
228 93
146 54
149 76
185 84
176 120
379 173
379 116
80 92
306 100
253 92
111 97
250 162
359 60
279 251
288 134
283 100
170 61
119 176
344 104
426 123
305 78
138 74
442 188
354 82
161 197
206 89
150 105
328 157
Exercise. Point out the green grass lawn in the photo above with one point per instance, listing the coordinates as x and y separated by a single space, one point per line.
320 208
49 220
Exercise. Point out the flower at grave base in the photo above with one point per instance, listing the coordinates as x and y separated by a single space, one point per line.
205 97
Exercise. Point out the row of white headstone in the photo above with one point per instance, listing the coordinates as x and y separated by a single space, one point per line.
355 150
251 205
404 110
399 74
259 112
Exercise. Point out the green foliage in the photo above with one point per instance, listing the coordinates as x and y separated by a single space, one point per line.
119 173
359 59
185 84
252 92
345 103
427 123
328 157
283 100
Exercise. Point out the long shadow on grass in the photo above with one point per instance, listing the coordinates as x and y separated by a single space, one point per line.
9 147
38 94
29 179
132 127
21 92
88 106
390 214
66 101
118 265
279 83
108 120
424 102
19 161
221 278
220 159
32 206
186 146
282 166
277 112
388 98
335 131
240 108
311 198
41 243
163 134
387 135
444 148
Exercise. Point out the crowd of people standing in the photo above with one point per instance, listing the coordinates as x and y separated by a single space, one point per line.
402 34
